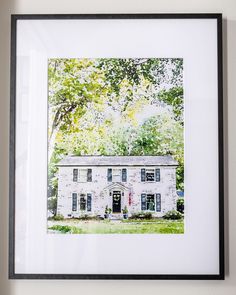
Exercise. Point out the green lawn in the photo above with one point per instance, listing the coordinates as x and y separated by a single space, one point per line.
154 226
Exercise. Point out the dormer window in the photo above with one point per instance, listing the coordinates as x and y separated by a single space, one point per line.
82 175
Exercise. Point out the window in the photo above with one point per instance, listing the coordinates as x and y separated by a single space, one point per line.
85 203
150 175
74 202
151 202
117 175
82 175
82 203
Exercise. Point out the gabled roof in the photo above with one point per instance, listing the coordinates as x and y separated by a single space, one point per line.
118 161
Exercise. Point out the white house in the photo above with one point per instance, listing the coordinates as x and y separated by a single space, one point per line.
87 184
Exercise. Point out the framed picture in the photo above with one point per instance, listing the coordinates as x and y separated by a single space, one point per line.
116 147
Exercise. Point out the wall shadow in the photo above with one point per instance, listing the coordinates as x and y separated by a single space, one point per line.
6 8
226 156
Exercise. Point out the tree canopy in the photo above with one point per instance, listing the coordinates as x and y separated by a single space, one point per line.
115 106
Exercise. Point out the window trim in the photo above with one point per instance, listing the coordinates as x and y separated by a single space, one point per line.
77 177
85 202
152 196
86 196
157 206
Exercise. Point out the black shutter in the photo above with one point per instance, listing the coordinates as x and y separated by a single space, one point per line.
89 202
158 202
75 174
158 174
143 202
89 175
143 174
74 202
124 175
109 175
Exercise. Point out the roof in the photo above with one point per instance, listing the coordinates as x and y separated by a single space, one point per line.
118 161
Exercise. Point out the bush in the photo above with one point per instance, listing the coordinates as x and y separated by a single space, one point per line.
106 210
180 205
125 210
141 215
173 214
87 217
58 217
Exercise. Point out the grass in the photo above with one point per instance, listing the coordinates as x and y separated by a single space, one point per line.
154 226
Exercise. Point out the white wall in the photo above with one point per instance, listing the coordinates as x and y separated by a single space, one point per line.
100 191
228 8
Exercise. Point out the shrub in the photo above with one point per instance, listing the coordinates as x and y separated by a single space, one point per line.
84 217
180 205
125 210
87 217
173 214
106 210
141 215
58 217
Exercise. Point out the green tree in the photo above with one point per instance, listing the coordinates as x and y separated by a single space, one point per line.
52 205
73 84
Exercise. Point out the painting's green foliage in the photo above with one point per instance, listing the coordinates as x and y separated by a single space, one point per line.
175 98
155 70
180 205
173 215
57 217
115 107
52 205
126 226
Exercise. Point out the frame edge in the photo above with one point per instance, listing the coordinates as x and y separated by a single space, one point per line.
11 254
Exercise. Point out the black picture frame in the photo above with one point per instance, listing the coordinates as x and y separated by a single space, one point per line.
12 273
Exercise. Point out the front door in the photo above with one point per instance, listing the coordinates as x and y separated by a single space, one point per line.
116 202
